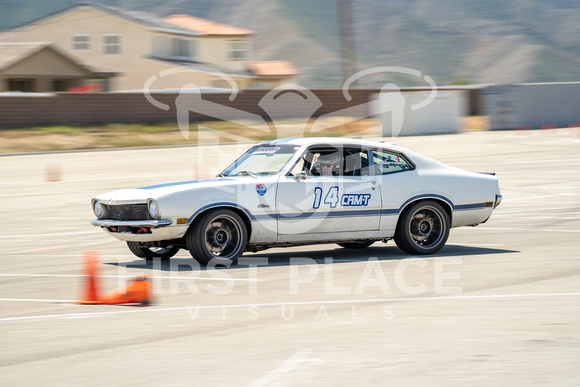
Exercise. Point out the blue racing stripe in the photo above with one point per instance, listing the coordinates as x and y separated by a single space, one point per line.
177 183
328 214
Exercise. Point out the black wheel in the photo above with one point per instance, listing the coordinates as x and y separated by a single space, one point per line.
423 228
219 235
356 244
148 253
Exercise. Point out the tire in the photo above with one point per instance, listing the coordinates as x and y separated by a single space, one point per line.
423 228
219 235
356 244
149 253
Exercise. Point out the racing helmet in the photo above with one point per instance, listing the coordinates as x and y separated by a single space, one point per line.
331 159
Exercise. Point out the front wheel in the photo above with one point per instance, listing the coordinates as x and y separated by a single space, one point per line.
149 253
423 228
219 235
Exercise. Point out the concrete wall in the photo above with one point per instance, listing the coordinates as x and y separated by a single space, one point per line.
405 114
101 108
531 105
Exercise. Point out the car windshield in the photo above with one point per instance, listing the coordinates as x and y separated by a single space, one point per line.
261 160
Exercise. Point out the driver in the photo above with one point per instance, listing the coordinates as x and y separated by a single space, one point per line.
327 165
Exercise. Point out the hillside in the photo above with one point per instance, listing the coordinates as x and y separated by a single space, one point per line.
454 41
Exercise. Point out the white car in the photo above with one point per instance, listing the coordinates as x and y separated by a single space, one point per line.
302 191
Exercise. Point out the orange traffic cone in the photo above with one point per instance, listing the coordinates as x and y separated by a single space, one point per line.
91 286
137 292
53 172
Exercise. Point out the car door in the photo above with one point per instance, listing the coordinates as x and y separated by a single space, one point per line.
397 177
347 200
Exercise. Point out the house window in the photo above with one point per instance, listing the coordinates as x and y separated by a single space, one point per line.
81 43
238 50
112 44
182 48
173 48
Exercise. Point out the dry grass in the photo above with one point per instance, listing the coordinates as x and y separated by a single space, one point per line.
475 123
62 138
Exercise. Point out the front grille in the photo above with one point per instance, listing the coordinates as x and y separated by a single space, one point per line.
127 212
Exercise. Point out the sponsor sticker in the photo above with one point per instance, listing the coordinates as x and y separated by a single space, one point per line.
261 189
269 150
388 162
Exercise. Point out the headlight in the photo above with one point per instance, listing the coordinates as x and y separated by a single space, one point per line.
153 209
97 208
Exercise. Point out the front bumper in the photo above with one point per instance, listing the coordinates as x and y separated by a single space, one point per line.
130 223
141 230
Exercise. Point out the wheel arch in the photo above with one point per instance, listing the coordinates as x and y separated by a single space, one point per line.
444 202
242 212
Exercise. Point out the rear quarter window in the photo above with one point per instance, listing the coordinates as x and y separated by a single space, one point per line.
386 162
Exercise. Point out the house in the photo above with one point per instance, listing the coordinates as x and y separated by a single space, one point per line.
41 67
149 52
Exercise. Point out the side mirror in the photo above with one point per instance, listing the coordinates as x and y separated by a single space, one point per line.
300 175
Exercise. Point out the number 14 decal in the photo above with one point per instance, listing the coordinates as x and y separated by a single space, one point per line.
330 198
333 199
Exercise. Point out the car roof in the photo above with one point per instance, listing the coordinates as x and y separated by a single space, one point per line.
329 141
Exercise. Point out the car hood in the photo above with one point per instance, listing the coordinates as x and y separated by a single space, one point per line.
140 195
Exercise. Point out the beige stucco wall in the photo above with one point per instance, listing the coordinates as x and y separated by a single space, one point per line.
95 24
215 50
167 76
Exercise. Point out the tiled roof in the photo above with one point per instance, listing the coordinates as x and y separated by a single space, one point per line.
206 27
272 68
145 19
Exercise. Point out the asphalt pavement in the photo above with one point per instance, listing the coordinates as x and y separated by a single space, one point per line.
499 305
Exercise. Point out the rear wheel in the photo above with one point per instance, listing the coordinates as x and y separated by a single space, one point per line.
149 253
356 244
423 228
219 235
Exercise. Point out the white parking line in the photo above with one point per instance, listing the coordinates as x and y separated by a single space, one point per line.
43 193
474 244
188 308
533 217
525 229
540 196
34 300
52 234
300 356
129 276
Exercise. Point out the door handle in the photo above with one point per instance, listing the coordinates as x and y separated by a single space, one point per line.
369 181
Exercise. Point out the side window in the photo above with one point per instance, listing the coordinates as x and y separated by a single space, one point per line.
388 162
356 162
331 161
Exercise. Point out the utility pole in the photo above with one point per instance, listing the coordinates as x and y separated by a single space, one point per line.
346 38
